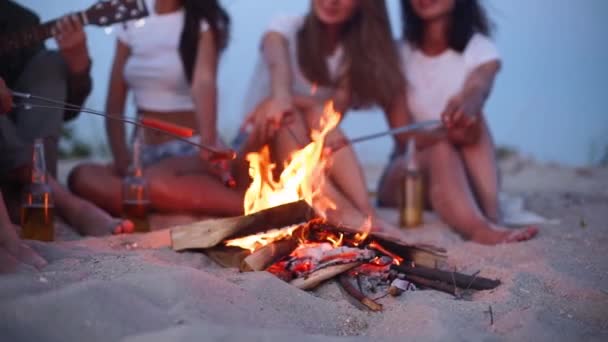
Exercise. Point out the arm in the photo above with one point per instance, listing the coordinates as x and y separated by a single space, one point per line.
464 109
71 40
275 52
204 88
115 104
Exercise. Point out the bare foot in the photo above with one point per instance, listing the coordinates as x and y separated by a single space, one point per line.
494 236
96 222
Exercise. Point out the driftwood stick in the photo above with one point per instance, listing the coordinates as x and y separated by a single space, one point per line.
317 277
229 257
460 280
262 258
432 284
209 233
353 292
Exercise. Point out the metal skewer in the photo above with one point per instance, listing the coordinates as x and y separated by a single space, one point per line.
412 128
217 154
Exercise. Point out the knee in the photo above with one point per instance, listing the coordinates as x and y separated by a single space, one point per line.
78 178
465 136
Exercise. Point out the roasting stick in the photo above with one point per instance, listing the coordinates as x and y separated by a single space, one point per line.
177 132
412 128
355 293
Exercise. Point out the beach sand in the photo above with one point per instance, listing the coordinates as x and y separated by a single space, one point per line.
555 287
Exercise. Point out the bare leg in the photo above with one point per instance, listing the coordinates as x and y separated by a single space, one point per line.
388 196
453 200
345 172
480 161
176 185
181 184
99 185
348 213
84 216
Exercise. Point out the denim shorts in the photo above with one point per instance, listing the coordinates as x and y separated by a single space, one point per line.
153 154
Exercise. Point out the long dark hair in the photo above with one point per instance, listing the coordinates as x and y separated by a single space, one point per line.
370 56
219 24
468 17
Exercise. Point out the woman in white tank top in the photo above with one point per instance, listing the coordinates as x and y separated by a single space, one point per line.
169 64
449 64
340 50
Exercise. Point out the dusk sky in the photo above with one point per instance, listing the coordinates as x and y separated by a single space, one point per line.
549 101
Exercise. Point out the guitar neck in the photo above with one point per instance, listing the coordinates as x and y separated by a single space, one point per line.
16 41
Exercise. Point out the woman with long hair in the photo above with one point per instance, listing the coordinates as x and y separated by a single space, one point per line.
341 50
170 65
449 63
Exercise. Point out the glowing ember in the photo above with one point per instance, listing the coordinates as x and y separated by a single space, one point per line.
302 177
397 260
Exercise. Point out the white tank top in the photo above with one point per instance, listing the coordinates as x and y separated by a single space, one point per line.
154 69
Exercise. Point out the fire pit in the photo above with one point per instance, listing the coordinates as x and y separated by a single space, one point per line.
285 231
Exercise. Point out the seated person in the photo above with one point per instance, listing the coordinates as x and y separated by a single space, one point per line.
12 250
170 65
62 76
450 63
324 55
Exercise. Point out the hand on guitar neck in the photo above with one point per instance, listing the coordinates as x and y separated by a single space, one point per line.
102 13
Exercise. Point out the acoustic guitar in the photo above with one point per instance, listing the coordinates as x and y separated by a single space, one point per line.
102 13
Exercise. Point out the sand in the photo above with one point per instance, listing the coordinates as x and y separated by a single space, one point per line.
555 287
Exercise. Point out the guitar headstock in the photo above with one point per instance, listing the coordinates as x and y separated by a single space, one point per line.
108 12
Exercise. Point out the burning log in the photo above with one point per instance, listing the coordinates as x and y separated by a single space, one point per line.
262 258
209 233
420 254
460 280
227 256
353 292
317 277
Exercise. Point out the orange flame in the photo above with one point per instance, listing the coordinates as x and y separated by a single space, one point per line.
365 230
253 242
302 177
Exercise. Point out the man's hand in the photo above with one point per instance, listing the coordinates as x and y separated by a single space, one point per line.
72 43
6 100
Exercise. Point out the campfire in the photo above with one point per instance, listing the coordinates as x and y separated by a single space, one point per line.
285 232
